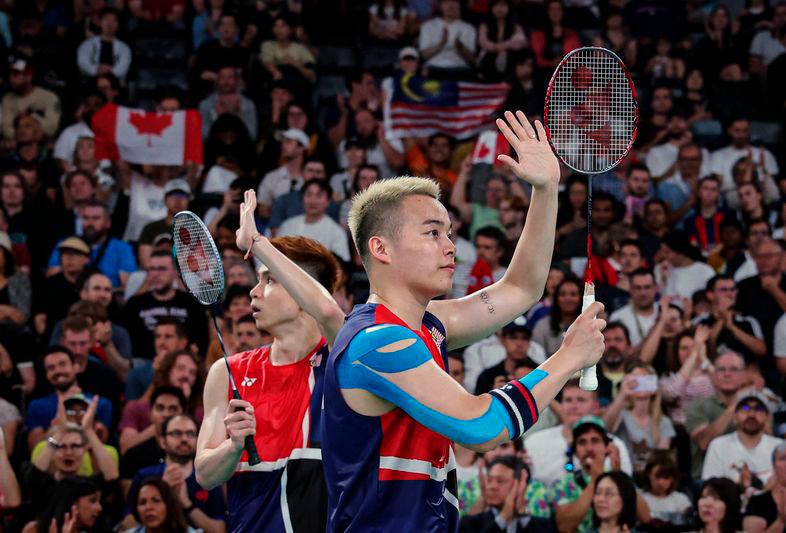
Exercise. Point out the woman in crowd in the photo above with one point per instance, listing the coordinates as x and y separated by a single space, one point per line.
766 512
636 417
551 44
565 309
229 144
76 508
572 213
718 45
155 507
668 506
718 506
614 503
284 57
543 307
692 381
499 38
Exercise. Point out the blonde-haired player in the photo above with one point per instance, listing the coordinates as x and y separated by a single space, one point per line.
391 409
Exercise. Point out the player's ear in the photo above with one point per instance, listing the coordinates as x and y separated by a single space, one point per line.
379 249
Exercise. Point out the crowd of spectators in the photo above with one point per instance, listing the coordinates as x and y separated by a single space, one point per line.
103 355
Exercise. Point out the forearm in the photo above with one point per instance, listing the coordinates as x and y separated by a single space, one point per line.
106 465
9 486
119 364
130 437
755 345
716 428
337 133
570 515
612 414
309 294
209 525
778 526
44 459
394 158
458 197
214 466
531 260
649 346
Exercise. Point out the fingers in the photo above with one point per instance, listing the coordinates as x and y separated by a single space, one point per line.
236 405
542 135
525 124
507 160
594 309
509 135
518 128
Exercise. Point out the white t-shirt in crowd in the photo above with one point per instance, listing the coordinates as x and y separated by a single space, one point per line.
146 204
448 56
726 454
277 183
66 141
548 451
766 46
489 352
325 230
660 158
684 281
723 159
779 337
638 325
673 508
465 259
218 179
747 269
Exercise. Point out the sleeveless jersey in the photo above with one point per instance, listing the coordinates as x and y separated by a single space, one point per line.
385 473
286 492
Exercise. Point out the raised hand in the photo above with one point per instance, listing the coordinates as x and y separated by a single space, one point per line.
88 419
245 234
537 164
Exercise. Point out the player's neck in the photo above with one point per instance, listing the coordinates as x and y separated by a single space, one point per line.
403 304
293 341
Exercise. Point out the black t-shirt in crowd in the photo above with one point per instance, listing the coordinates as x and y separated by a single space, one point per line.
55 297
143 311
144 454
753 300
763 505
746 323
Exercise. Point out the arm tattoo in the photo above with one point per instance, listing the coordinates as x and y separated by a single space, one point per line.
484 297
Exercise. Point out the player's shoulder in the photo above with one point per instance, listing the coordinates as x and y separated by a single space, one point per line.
376 336
249 356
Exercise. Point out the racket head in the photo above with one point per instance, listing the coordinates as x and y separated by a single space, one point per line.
197 258
591 113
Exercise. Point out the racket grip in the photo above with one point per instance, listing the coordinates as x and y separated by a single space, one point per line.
589 376
251 447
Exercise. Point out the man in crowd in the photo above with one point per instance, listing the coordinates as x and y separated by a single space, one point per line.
177 195
290 204
227 98
289 176
679 271
546 448
27 98
611 368
104 52
730 330
712 417
161 299
516 339
640 314
169 335
203 509
703 222
747 451
61 371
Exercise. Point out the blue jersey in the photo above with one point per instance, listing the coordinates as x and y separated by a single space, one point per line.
385 473
286 492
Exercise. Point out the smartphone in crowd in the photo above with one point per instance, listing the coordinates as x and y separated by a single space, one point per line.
647 383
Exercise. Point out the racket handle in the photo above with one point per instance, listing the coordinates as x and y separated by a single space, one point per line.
251 447
589 375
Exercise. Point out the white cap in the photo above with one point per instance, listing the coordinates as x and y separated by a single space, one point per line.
408 51
298 135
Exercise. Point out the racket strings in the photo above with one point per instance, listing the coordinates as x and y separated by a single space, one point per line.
591 111
200 266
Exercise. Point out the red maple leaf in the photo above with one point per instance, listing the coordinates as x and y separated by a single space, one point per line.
483 151
150 123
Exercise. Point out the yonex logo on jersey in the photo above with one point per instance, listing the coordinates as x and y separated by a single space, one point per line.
247 382
438 337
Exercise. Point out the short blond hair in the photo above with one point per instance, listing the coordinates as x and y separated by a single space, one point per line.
375 210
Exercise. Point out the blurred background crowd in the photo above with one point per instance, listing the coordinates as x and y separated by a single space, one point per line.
103 355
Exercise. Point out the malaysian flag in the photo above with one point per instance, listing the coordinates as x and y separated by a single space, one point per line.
419 107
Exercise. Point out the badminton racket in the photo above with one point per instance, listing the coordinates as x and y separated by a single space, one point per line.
202 272
591 117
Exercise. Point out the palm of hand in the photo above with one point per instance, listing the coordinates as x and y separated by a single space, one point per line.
537 164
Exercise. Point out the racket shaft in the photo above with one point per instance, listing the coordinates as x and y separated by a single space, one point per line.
589 377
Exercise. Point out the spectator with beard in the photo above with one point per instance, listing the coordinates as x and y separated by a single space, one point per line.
61 371
712 417
59 290
161 299
62 458
629 259
93 374
730 330
179 369
744 456
203 509
165 402
169 336
664 160
548 448
110 255
641 313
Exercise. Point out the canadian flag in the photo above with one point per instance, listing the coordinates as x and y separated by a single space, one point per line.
145 137
490 144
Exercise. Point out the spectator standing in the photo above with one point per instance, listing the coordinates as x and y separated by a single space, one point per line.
105 53
222 51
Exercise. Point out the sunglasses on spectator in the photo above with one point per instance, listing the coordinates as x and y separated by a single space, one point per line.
758 408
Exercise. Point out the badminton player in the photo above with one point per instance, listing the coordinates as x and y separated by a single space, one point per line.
281 385
391 409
